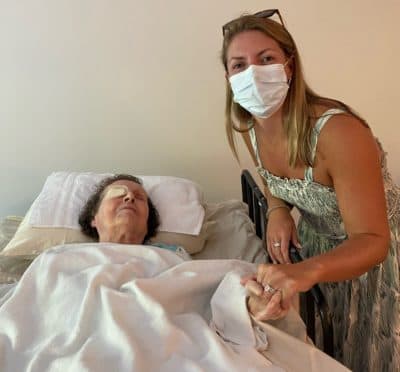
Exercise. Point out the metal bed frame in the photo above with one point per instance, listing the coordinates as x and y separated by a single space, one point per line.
313 306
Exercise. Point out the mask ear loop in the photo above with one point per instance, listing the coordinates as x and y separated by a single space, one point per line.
284 65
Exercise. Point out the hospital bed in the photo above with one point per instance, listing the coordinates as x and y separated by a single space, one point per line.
226 231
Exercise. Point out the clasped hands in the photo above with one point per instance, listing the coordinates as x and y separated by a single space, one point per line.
272 289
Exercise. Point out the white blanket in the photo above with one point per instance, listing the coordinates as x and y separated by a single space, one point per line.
110 307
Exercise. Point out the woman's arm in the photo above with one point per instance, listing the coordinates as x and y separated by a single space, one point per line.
348 151
281 229
353 163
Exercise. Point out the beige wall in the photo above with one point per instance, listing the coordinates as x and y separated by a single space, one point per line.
136 86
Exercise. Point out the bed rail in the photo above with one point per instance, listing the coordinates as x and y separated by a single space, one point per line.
312 303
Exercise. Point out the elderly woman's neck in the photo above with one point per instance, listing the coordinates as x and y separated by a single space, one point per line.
121 237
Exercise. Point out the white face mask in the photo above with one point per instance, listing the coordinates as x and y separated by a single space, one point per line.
260 90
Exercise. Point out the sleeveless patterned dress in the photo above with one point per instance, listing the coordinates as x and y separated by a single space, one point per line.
366 310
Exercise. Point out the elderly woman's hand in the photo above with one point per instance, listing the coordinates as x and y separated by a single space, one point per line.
288 279
262 306
273 287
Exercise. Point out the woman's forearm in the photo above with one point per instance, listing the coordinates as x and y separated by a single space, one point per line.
349 260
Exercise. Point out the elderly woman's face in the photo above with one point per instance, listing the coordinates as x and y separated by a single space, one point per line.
123 211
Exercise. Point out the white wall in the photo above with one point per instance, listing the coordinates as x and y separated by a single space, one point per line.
137 86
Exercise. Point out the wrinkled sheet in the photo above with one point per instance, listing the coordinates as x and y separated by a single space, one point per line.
103 307
111 307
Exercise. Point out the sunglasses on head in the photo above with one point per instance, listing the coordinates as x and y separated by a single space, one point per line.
262 14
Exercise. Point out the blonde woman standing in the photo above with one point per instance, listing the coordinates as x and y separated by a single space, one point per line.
317 154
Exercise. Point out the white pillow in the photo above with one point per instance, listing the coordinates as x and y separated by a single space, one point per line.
178 201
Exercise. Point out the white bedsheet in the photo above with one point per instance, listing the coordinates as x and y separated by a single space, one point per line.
110 307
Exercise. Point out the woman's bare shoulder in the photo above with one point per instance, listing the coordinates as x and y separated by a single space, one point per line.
347 139
346 130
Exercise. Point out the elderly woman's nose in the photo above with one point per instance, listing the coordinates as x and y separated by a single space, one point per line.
129 197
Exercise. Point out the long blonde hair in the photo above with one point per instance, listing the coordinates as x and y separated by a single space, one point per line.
298 108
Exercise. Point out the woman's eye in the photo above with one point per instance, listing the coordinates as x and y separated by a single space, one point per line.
237 66
267 59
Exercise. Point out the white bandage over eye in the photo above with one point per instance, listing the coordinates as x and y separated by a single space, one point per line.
115 191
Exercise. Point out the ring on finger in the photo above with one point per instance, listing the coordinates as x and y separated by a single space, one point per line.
269 289
276 244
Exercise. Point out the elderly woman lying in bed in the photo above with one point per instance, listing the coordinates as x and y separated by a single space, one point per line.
123 304
120 211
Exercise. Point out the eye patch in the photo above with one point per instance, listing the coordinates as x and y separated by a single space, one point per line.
115 191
